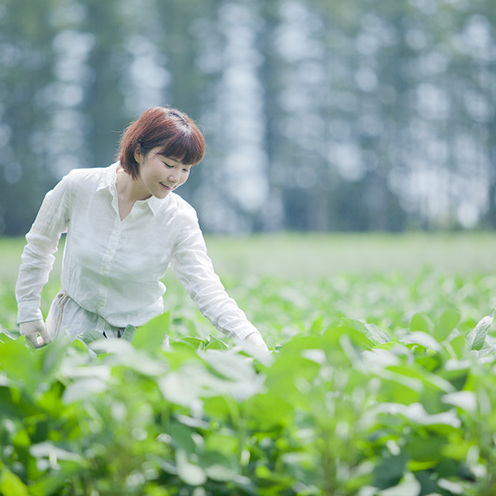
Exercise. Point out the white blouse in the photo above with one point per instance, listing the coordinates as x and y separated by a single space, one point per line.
114 268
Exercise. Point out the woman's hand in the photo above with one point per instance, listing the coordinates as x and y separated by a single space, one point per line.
35 332
255 338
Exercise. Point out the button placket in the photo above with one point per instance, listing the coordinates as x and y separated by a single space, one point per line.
107 262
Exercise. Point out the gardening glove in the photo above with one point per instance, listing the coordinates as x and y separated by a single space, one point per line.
35 332
255 338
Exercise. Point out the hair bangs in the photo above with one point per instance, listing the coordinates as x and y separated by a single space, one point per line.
187 147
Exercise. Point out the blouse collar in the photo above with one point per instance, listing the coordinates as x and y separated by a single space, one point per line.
108 179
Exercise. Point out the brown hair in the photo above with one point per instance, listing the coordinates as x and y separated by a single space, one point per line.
165 127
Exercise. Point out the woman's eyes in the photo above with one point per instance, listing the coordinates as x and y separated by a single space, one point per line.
171 166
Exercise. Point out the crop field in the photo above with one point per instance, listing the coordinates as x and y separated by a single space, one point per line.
380 380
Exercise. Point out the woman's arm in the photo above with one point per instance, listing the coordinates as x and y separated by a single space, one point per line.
38 256
194 269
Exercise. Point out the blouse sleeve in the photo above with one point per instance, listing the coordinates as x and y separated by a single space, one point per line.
194 269
38 256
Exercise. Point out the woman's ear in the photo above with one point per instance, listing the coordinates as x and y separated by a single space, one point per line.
137 153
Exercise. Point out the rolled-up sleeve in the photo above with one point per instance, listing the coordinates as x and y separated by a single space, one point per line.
194 269
38 256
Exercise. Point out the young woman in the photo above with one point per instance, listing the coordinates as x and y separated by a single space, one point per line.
125 226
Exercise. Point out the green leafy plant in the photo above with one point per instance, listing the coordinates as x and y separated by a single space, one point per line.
358 397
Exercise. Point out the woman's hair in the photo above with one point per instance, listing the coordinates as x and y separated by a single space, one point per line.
173 131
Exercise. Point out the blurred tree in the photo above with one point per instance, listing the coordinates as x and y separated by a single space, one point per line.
233 184
186 35
104 109
477 65
26 67
319 115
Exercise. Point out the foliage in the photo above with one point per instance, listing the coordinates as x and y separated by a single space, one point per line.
380 402
319 114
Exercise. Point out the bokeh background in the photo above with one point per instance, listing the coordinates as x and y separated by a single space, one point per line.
320 115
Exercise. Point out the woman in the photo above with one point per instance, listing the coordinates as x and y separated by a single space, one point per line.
125 226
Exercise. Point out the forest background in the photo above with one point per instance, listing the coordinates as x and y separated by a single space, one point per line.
320 115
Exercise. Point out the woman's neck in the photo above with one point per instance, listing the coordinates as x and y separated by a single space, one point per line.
129 191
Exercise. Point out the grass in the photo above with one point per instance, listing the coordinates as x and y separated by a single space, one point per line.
316 256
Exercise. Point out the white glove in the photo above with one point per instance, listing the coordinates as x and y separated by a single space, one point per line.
35 332
256 339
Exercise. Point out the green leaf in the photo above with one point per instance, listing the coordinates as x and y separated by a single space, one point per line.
53 355
466 400
220 473
390 469
426 449
55 479
376 334
11 333
182 436
91 337
267 410
423 339
216 344
477 336
21 364
428 379
224 444
317 325
447 323
193 342
151 336
219 467
188 472
299 343
222 374
409 487
83 389
421 322
54 453
354 332
458 345
16 404
11 485
129 333
122 353
416 413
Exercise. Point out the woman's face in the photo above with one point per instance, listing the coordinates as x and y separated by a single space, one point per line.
161 175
